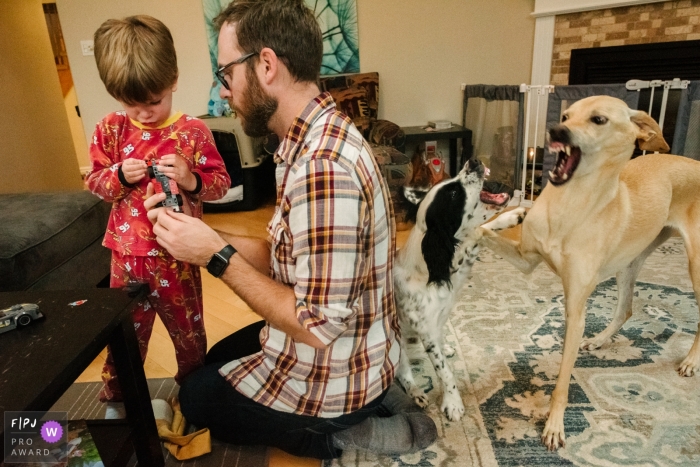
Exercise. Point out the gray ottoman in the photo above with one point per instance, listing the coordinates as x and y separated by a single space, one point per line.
52 241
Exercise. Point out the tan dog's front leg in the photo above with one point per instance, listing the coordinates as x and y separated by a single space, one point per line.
575 296
510 250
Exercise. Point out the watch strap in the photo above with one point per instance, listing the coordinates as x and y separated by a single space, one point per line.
219 261
226 252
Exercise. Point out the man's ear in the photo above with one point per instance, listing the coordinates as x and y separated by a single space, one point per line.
270 60
649 136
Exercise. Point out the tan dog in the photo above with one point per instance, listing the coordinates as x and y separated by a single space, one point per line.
603 214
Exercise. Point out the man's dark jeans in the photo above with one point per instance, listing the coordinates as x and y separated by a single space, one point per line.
208 400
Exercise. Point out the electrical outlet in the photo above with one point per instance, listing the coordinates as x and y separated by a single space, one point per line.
88 47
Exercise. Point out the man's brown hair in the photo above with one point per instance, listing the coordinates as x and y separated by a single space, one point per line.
288 27
135 57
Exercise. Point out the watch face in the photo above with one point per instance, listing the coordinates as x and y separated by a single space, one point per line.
217 265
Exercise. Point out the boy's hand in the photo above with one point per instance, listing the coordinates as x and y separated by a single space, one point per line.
176 168
133 170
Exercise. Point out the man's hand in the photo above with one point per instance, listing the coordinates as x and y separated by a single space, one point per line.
134 170
176 168
152 200
187 238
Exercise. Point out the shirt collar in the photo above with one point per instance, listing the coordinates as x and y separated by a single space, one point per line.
288 149
172 119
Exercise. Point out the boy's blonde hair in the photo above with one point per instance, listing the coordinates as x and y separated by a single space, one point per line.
135 57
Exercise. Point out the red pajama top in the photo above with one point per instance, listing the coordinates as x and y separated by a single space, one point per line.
117 138
332 240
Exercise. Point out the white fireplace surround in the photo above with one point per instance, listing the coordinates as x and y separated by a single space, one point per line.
545 12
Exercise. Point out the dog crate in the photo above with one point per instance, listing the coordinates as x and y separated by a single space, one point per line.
248 162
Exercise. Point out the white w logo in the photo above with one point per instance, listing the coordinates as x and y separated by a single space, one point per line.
52 432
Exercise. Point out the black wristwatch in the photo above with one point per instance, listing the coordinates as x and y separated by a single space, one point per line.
219 262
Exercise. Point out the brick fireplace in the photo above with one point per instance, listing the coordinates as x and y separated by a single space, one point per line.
639 24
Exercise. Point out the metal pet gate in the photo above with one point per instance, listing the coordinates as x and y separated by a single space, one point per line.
509 124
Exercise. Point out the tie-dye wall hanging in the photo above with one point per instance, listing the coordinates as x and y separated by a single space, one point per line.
341 53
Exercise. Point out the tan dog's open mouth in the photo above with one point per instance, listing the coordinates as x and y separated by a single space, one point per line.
568 158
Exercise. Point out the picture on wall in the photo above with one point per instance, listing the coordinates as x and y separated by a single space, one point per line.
341 53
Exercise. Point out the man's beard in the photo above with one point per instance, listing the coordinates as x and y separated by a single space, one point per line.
257 107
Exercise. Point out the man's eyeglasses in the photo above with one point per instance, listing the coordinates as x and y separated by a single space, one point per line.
220 72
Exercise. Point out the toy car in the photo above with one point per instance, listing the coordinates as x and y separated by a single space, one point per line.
18 315
173 198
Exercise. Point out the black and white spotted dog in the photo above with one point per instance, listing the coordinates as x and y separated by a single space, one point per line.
435 263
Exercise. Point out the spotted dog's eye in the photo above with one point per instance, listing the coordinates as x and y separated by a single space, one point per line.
564 118
599 120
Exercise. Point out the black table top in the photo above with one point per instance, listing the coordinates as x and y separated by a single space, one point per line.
40 361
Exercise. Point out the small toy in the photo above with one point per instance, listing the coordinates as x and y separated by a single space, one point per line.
77 303
19 315
173 198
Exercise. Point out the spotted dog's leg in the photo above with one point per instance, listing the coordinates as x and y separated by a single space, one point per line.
452 404
405 375
506 220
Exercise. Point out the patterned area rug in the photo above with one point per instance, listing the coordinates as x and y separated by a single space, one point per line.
627 404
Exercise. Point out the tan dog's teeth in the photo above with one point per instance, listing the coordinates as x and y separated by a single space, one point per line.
568 150
551 174
565 176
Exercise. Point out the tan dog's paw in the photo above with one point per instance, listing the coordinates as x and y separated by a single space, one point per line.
592 344
688 367
553 435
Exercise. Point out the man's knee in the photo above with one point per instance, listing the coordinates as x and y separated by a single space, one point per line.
199 390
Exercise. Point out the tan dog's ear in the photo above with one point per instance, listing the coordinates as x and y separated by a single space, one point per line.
649 135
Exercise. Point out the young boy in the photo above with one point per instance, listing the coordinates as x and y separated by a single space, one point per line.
138 65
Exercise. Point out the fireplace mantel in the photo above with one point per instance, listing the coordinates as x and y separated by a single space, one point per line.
561 7
545 12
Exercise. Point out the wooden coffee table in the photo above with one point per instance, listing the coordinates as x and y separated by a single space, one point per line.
39 362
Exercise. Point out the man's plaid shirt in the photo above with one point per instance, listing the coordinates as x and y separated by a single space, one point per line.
332 239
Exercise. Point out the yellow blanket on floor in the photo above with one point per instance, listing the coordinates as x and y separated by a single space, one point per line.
171 429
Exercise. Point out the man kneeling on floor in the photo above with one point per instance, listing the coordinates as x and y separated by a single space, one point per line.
316 376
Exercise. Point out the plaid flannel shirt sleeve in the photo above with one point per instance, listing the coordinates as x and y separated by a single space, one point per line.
328 219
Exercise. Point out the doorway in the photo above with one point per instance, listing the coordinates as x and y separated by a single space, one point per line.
70 98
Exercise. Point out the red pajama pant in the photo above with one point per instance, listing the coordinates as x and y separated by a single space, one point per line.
176 296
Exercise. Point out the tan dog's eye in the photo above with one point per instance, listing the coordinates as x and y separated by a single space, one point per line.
564 118
599 120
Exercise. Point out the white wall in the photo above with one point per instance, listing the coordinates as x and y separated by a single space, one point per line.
422 50
81 18
37 151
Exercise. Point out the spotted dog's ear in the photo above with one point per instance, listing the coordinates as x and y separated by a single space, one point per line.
415 194
649 135
442 218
